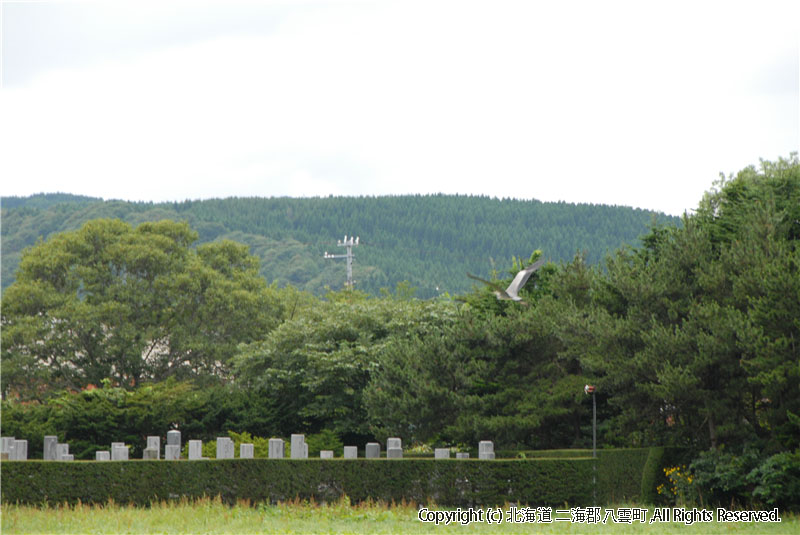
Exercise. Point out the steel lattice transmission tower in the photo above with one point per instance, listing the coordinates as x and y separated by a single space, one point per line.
352 242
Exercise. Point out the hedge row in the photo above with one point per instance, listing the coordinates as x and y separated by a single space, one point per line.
620 476
543 454
455 483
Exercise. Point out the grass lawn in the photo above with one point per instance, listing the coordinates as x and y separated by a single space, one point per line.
212 516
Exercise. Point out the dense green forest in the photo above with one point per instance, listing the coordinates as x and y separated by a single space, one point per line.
115 331
430 241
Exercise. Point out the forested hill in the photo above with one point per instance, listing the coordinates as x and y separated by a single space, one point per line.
431 241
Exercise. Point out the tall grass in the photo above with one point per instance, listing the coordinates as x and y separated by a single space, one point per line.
211 515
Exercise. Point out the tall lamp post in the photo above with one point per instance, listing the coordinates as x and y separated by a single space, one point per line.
589 389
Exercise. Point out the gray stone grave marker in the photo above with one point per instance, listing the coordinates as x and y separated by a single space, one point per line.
174 438
62 450
119 453
20 450
7 448
486 450
224 448
298 447
276 448
195 450
102 455
150 454
246 451
50 443
350 452
394 448
154 443
326 454
372 450
441 453
462 455
172 452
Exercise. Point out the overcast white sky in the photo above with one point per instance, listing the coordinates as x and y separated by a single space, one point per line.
630 103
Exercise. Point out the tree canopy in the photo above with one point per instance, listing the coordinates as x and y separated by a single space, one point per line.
113 302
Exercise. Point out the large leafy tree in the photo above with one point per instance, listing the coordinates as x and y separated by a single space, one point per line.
314 368
695 334
110 301
496 371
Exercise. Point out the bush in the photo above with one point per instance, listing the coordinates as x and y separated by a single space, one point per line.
777 481
720 478
324 440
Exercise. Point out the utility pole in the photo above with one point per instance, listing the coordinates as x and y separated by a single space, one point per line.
349 244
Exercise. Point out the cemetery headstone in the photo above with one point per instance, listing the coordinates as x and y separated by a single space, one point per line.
246 451
20 450
326 454
6 445
120 453
372 450
298 447
102 455
486 450
462 455
224 448
394 448
441 453
150 454
62 450
174 438
276 448
154 443
172 452
350 452
195 450
50 443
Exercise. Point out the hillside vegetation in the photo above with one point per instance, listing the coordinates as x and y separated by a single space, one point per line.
430 241
117 330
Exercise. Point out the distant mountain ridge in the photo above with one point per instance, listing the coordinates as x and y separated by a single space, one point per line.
429 240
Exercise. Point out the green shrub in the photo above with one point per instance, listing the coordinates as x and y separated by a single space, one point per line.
650 475
777 481
260 444
324 440
720 478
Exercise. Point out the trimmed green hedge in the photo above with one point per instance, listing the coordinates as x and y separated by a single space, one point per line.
620 473
455 483
543 454
622 476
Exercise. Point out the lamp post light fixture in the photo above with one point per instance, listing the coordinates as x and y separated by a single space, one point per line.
589 389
